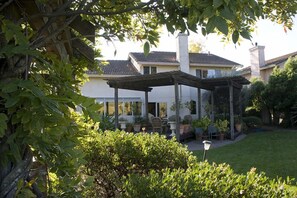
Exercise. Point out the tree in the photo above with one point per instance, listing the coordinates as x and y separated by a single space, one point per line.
281 91
195 47
46 46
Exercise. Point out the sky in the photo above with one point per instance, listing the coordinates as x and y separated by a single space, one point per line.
271 35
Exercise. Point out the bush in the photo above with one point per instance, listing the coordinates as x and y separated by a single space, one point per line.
111 156
252 121
204 180
148 165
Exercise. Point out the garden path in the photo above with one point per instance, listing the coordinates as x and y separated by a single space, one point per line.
198 145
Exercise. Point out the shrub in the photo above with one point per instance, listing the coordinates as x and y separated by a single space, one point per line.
148 165
111 156
204 180
106 122
252 121
201 123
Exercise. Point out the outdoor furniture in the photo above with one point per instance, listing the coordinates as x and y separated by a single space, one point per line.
212 131
156 124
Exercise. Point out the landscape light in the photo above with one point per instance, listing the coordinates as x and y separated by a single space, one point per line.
207 145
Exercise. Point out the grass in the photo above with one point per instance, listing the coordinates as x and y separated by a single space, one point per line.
274 153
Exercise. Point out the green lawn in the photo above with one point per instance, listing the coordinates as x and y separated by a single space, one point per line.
275 153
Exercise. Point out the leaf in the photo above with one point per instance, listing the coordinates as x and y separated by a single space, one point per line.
221 25
3 124
235 36
146 48
227 14
210 26
9 87
245 34
217 3
11 102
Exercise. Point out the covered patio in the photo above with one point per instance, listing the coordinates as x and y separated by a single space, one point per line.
145 83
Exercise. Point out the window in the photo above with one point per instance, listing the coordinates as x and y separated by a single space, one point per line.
149 70
210 73
158 109
162 109
126 107
110 108
193 107
137 108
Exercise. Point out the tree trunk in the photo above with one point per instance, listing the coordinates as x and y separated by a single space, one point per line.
16 157
13 172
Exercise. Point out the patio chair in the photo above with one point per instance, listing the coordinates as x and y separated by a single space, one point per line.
157 124
212 132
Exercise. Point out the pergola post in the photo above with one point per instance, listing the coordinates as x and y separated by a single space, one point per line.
146 105
199 103
116 107
231 111
212 106
177 110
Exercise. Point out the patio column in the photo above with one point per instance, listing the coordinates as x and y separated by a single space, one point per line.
177 110
231 111
199 103
146 105
116 107
212 106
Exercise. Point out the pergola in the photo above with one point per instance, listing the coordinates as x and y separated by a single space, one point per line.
146 83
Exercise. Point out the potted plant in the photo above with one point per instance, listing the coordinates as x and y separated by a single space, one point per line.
222 126
129 127
123 123
237 123
201 126
185 126
138 120
172 123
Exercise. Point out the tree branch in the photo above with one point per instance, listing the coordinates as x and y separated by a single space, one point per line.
87 12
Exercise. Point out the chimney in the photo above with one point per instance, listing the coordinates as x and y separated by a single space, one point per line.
182 54
257 58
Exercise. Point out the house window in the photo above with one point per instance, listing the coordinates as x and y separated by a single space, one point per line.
158 109
137 108
201 73
130 108
149 70
110 108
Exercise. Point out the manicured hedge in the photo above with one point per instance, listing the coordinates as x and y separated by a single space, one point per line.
204 180
148 165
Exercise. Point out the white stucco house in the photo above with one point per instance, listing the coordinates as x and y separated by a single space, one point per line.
160 99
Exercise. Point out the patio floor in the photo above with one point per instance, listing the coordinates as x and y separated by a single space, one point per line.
198 145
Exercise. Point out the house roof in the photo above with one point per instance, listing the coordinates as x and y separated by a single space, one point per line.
146 82
194 58
117 67
279 60
270 63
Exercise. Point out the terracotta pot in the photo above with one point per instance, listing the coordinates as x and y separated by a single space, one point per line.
238 127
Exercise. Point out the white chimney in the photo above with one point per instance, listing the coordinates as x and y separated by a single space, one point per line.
182 54
257 58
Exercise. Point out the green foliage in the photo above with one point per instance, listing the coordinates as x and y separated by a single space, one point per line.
256 100
282 83
3 124
112 156
205 180
221 125
252 121
39 90
201 123
106 123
